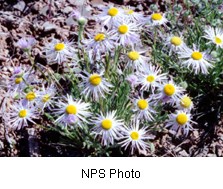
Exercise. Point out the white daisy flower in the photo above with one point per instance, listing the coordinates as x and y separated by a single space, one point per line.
195 59
180 122
107 127
150 78
20 115
131 15
95 85
99 43
110 15
174 43
157 19
59 52
71 111
169 92
142 109
136 61
20 79
135 138
125 33
185 103
31 97
214 35
46 97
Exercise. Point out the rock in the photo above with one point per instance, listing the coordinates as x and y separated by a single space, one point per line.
140 7
47 26
77 2
70 21
68 10
1 145
44 10
20 5
96 2
211 155
183 153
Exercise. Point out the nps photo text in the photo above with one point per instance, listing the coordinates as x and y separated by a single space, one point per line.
109 173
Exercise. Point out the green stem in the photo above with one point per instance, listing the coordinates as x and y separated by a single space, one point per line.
117 53
80 34
154 44
107 63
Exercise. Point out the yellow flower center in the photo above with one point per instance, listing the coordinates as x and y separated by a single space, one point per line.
142 104
123 29
46 98
133 55
150 78
129 11
95 79
185 102
169 89
113 11
59 47
176 41
134 135
157 16
71 109
99 37
196 55
106 124
182 118
18 80
30 96
218 40
22 113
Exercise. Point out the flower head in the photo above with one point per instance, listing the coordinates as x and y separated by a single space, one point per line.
143 109
26 43
136 60
108 127
58 52
214 35
71 112
110 16
174 43
130 14
151 78
125 33
180 122
169 92
185 103
95 85
157 19
21 115
135 138
196 60
99 43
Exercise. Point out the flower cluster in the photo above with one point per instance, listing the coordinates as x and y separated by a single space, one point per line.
115 89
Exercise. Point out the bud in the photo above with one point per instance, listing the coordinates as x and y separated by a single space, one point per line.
214 54
82 21
28 89
178 8
153 7
26 43
184 84
16 96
